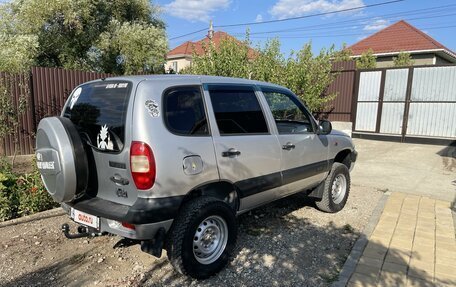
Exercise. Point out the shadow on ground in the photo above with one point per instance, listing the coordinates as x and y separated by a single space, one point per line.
277 246
448 155
53 275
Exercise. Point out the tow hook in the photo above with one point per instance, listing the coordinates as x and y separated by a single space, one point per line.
83 231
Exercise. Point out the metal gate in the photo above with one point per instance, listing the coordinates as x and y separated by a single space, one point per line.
406 102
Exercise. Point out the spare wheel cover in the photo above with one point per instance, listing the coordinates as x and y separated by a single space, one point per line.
61 158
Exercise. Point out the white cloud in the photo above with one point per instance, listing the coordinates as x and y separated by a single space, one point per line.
195 10
295 8
376 25
259 18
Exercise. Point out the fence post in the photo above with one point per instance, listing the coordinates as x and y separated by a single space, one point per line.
32 101
408 96
380 101
354 106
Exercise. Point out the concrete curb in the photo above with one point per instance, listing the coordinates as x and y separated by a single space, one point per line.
357 250
37 216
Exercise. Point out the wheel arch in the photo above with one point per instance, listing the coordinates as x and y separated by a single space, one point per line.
344 157
222 190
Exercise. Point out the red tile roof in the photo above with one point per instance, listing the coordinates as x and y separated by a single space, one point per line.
400 36
188 47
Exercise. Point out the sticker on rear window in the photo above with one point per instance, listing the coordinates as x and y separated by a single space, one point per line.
104 140
118 85
152 107
74 97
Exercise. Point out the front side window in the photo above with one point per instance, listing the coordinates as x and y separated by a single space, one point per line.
184 111
237 110
289 114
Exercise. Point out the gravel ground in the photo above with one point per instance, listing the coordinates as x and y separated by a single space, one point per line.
285 243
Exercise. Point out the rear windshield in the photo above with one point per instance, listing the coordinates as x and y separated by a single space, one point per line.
98 110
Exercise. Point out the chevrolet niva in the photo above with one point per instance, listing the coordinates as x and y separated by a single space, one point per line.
170 161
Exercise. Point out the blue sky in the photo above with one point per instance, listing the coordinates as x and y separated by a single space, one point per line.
437 18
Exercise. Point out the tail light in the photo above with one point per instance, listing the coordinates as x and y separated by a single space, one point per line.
128 225
142 164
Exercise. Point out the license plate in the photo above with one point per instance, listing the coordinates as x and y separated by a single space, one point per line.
85 218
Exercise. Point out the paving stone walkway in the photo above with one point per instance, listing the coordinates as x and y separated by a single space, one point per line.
413 244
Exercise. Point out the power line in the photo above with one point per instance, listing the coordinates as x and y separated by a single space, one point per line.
188 34
434 12
385 16
293 18
309 28
309 16
340 35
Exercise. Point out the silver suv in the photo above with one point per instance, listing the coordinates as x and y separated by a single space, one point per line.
171 160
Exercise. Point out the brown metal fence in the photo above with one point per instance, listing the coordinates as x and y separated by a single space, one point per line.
46 90
17 86
340 108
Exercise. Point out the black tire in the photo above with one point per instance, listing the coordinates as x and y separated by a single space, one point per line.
327 202
180 241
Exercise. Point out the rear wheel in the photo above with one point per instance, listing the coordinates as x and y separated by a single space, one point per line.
202 238
336 188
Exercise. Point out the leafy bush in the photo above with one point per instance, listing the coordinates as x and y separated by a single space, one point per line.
32 195
21 195
307 74
367 60
9 202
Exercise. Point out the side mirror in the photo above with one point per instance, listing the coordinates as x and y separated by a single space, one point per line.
324 127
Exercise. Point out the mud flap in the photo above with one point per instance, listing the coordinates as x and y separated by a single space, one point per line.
155 246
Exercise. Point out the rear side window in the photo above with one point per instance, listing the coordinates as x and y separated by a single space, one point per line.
237 110
98 110
184 111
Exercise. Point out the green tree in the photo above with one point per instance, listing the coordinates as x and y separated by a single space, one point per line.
403 59
344 54
128 48
17 55
229 59
367 60
71 33
269 63
306 74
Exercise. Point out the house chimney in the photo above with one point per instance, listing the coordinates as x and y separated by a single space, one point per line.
210 32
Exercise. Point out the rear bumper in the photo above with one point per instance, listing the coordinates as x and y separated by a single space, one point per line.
141 232
148 215
143 211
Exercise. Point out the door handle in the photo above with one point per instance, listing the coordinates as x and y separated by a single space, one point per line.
288 146
231 152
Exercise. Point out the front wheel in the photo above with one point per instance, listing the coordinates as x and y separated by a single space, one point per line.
336 188
202 238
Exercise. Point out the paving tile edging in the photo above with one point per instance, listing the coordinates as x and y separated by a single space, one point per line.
358 248
40 215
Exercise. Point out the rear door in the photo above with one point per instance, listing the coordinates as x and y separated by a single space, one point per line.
99 110
248 155
304 153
